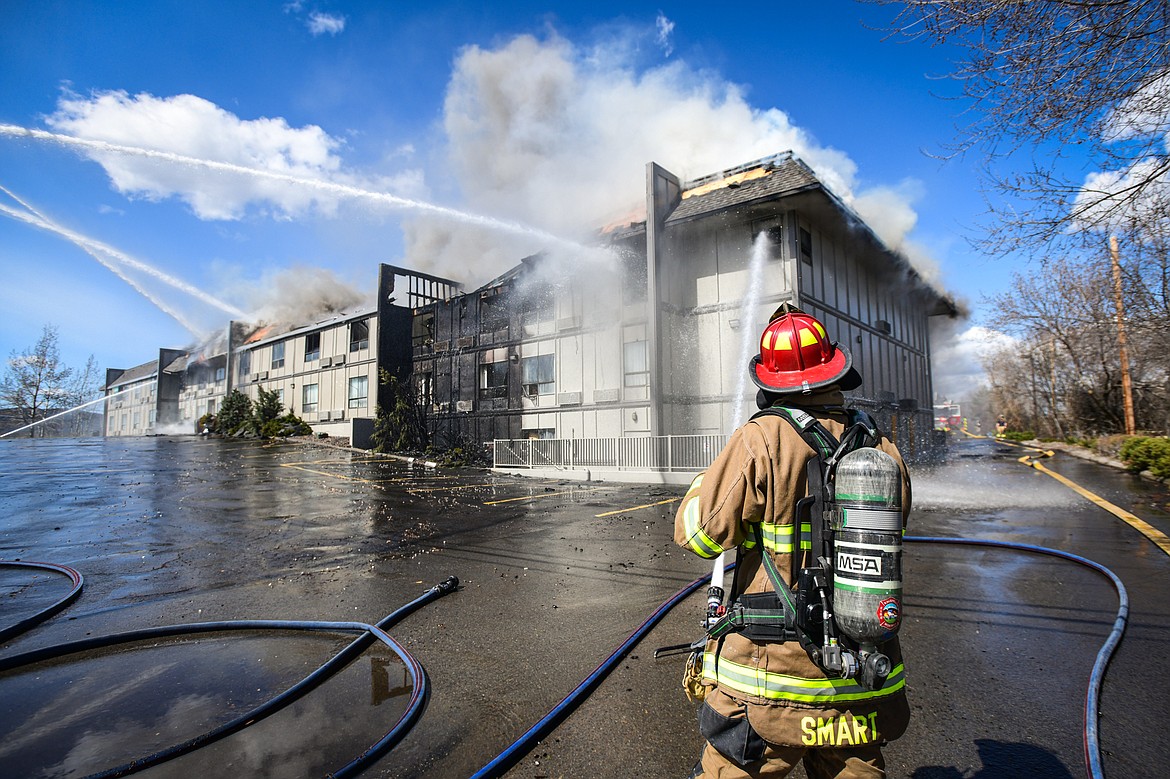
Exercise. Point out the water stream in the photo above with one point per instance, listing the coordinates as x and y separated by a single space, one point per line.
340 190
54 416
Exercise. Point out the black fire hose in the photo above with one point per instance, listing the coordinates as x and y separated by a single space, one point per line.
419 687
1092 696
45 613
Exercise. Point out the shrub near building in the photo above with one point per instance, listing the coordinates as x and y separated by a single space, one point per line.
239 416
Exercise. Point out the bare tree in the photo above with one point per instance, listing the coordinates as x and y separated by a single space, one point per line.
85 387
1048 81
35 380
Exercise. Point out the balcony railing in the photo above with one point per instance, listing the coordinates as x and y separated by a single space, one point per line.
628 453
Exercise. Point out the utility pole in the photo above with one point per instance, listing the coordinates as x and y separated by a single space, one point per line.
1123 350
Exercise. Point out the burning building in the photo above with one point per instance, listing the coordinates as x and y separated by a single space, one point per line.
633 356
656 346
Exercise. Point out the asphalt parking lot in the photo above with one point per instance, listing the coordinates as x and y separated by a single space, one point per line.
554 576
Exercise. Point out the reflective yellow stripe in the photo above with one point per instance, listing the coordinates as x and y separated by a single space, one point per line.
781 687
779 538
700 543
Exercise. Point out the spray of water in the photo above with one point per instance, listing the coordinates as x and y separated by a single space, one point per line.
103 253
747 310
339 190
113 268
54 416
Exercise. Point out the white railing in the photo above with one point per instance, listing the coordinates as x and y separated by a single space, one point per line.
642 453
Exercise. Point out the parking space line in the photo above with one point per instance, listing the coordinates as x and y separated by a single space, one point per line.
635 508
298 467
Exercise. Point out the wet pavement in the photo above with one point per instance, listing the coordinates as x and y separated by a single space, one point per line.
999 643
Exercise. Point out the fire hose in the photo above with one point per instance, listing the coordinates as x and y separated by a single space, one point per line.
525 743
26 624
368 634
516 751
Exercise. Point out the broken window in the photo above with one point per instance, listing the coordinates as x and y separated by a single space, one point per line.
424 384
359 391
359 336
278 355
308 398
493 380
423 329
493 313
312 347
635 365
806 246
538 375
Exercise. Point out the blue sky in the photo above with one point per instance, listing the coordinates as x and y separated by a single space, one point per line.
484 108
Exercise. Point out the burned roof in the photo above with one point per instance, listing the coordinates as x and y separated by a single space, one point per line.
764 179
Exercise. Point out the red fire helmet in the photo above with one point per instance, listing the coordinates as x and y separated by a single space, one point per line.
796 355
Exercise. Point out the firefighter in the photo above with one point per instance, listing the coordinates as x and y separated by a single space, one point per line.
767 705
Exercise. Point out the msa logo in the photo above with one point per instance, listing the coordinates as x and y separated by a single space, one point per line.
856 563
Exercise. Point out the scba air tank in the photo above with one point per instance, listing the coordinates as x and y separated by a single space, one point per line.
867 539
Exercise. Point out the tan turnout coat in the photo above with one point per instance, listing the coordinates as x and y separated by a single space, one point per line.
758 477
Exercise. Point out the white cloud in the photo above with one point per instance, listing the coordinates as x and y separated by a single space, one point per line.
665 29
197 129
322 23
957 357
1108 199
558 137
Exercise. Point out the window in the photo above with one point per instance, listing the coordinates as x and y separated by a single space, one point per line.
220 374
210 406
280 397
539 307
634 364
806 246
359 391
359 336
425 386
245 363
422 329
312 348
309 398
278 355
493 380
136 419
538 375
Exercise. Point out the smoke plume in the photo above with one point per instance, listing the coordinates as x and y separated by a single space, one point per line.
557 136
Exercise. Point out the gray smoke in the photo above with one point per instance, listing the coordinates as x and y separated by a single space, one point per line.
558 136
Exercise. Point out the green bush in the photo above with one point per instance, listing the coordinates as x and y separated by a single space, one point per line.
1019 435
235 413
1143 453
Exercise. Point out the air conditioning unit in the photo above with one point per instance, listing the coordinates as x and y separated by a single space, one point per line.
338 415
569 323
569 399
326 362
339 359
324 416
464 406
607 395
